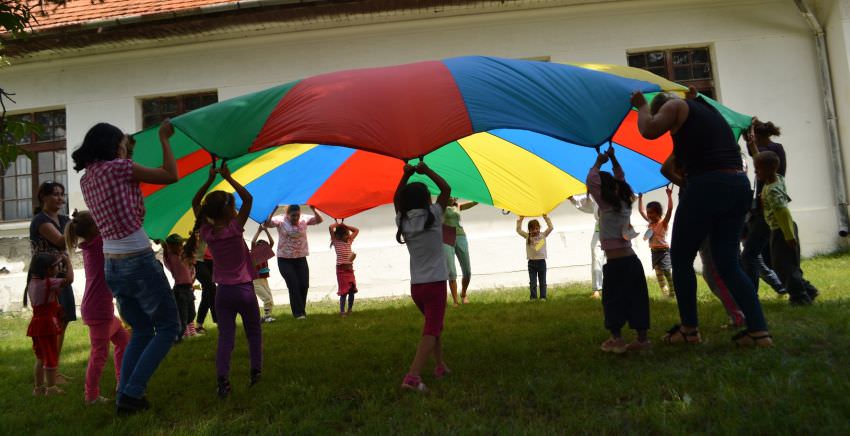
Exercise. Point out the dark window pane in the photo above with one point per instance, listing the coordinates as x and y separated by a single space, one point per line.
169 105
681 73
150 106
700 56
209 99
637 60
702 71
681 58
192 102
656 59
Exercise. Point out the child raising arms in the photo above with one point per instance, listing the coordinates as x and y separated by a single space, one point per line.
625 297
420 228
657 236
97 308
261 252
45 326
535 251
221 226
342 236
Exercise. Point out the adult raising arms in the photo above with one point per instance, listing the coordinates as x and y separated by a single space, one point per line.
111 191
714 205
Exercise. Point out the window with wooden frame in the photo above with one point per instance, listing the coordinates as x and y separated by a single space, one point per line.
154 110
49 162
687 66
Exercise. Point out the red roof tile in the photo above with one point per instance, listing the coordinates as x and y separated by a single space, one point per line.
82 11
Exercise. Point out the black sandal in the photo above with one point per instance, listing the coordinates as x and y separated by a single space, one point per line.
683 336
744 339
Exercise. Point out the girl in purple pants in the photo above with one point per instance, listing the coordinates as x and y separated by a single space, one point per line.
221 226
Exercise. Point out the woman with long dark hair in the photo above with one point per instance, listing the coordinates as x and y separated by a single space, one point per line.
46 237
111 190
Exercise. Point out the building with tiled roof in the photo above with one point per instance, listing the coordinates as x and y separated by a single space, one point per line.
133 62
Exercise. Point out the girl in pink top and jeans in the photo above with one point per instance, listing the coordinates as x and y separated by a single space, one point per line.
111 189
97 308
221 227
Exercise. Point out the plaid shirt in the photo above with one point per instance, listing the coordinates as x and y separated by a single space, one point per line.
113 197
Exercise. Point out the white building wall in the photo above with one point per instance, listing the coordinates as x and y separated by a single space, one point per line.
764 65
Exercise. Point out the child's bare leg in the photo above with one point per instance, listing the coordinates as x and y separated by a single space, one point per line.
38 372
50 377
453 287
662 283
438 353
423 352
464 283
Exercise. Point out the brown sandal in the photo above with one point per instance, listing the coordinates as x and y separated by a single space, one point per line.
678 336
745 339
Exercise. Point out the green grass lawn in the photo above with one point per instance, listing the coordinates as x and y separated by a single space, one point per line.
519 367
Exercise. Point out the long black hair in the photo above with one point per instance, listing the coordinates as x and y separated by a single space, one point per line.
100 144
615 192
44 190
413 196
214 206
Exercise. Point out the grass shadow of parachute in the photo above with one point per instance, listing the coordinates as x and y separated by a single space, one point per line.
518 135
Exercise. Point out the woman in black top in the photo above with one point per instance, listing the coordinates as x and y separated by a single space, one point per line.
46 236
714 205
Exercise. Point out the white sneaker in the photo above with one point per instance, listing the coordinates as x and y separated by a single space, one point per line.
268 319
99 400
302 317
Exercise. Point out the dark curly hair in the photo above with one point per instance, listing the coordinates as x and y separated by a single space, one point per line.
762 128
100 144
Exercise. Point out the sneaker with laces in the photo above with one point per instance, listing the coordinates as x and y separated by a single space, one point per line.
413 383
268 319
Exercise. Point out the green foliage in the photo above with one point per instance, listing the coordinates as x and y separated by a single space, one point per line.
519 367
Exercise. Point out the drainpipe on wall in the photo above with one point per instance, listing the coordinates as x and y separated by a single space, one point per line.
829 111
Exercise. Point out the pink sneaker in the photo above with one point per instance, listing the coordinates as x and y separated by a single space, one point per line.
441 371
413 383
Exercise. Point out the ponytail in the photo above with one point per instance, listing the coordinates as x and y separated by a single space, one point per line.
192 242
82 225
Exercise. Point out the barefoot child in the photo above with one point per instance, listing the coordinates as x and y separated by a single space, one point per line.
45 326
420 224
97 308
341 238
261 252
221 226
182 269
535 251
625 297
657 235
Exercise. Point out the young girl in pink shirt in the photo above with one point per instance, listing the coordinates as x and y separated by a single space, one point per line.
341 238
221 226
45 326
97 308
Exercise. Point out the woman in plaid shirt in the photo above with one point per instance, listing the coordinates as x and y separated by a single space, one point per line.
111 191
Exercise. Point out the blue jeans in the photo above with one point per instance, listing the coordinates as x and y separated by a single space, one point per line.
713 206
146 302
537 272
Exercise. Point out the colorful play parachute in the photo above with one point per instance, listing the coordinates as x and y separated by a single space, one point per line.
518 135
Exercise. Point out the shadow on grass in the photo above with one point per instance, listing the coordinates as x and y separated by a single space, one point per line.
519 367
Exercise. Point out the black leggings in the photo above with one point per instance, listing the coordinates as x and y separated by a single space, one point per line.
296 274
203 272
